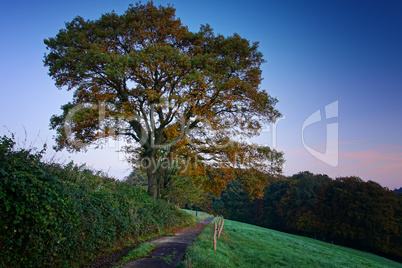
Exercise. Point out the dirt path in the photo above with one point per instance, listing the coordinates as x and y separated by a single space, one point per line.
170 250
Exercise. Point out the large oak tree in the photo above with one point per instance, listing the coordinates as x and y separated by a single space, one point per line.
171 93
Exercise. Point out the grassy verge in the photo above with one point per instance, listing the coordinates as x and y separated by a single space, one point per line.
138 252
143 249
242 245
200 215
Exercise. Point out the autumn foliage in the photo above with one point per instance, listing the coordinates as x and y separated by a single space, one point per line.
170 93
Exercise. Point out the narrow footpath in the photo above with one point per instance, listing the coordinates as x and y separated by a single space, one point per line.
170 250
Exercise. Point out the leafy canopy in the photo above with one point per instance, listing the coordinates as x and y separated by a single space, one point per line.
171 93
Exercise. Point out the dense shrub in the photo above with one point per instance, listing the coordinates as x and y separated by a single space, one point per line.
63 216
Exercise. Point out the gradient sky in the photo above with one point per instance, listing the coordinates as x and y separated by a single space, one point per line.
317 52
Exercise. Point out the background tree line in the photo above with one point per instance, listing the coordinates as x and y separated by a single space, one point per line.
346 211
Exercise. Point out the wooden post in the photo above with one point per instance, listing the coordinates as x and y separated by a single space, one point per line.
221 227
215 229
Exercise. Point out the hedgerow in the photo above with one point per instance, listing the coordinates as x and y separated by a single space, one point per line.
64 216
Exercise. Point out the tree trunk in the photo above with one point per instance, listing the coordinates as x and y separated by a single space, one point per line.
152 179
158 187
152 185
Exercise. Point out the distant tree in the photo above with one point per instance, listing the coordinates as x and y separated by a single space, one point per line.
168 91
236 203
181 189
176 188
137 178
299 206
398 191
362 214
396 241
273 194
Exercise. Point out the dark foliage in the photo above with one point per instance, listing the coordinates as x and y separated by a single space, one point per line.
235 203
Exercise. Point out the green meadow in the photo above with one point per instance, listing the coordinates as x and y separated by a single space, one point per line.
245 245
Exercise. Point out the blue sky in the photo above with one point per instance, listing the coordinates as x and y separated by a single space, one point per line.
317 52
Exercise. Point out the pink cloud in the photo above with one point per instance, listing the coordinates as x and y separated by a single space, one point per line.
382 163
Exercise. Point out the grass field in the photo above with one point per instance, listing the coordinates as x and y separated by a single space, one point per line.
244 245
